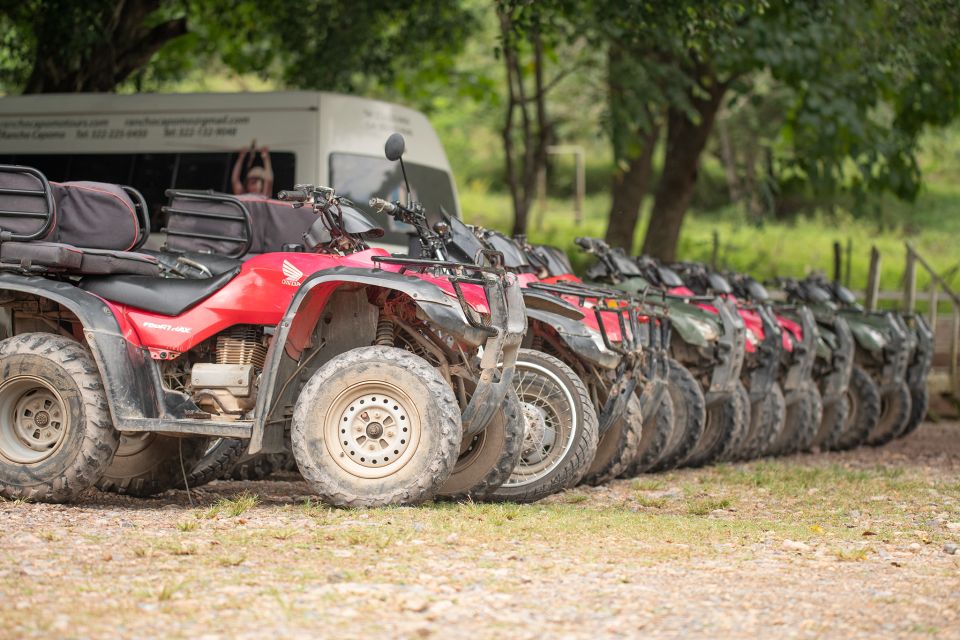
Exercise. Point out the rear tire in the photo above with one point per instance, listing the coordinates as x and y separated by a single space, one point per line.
618 447
894 415
56 436
488 459
863 395
148 463
399 453
690 416
767 422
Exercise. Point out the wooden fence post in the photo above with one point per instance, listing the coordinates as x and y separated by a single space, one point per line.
873 279
910 281
846 279
837 261
715 250
955 352
934 294
581 185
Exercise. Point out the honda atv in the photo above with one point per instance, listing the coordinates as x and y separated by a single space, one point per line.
708 349
885 348
102 345
834 366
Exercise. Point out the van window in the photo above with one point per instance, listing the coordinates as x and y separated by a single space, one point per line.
153 173
360 178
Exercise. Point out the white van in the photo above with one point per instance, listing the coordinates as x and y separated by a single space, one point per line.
154 142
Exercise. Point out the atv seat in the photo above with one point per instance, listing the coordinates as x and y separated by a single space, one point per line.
165 296
57 257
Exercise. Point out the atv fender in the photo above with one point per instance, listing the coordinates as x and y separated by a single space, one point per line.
840 355
286 354
731 349
578 338
130 378
804 354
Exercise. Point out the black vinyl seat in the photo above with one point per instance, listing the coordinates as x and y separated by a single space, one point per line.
183 262
166 296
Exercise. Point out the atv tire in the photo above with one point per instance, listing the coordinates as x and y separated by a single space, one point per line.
727 418
767 422
690 416
919 401
658 428
833 423
619 446
56 435
804 413
219 457
398 417
148 463
487 459
863 395
894 415
560 429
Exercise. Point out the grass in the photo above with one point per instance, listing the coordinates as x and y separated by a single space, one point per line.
232 507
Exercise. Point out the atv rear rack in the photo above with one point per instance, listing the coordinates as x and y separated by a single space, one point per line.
231 210
19 176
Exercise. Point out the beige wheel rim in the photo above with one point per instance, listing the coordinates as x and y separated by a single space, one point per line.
372 429
33 420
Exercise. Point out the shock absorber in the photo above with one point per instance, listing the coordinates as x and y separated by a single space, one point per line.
384 332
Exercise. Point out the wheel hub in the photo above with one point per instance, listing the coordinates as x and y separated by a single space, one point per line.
32 419
535 432
374 432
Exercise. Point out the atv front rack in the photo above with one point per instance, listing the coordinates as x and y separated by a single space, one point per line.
458 273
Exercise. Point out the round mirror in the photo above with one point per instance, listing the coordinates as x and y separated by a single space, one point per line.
394 147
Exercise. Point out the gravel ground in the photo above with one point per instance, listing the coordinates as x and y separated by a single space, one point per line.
860 544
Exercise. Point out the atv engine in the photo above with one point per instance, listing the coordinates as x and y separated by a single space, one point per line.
228 386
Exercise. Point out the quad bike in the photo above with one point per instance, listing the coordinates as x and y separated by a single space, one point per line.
667 433
102 345
647 321
833 367
575 375
885 347
788 345
707 353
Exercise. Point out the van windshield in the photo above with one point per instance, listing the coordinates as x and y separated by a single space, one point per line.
360 178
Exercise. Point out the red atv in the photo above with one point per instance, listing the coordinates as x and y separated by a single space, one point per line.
298 342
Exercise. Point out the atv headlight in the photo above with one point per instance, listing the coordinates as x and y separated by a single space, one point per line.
876 336
752 338
597 338
707 329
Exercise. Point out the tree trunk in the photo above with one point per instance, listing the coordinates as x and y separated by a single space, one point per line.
685 143
628 191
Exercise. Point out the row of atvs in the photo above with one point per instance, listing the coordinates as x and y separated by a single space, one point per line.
267 334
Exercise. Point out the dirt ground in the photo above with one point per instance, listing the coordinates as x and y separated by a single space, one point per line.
860 544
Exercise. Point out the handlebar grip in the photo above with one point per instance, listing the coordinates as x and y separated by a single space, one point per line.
295 195
383 206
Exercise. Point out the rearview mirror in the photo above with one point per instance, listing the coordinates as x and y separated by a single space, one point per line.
394 147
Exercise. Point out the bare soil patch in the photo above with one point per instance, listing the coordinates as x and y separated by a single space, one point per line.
855 544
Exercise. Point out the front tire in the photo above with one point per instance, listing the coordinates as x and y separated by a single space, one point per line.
619 446
488 458
727 418
767 422
690 416
804 414
56 435
863 394
894 415
376 426
833 423
919 401
560 436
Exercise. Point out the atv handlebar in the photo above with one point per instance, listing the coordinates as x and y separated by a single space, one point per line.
383 206
294 195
